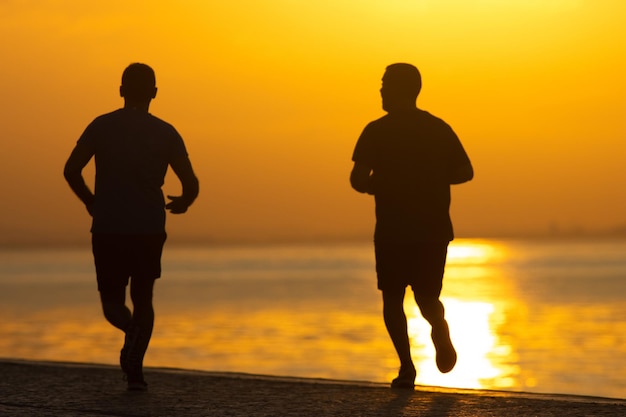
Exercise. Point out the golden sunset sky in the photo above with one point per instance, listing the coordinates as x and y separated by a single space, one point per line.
271 96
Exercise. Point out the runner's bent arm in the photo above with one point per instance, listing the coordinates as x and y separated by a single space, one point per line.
361 178
78 159
184 171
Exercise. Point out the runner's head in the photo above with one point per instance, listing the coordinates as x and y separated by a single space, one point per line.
138 83
401 86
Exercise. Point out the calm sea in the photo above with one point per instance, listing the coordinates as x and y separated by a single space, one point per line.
525 315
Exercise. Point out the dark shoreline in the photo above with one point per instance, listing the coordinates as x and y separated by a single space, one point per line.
33 388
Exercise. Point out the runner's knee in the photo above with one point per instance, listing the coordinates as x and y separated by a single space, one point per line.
117 314
431 308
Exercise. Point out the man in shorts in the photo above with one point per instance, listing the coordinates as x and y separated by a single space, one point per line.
132 151
407 159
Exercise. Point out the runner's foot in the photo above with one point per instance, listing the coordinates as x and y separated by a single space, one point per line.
405 378
446 355
137 386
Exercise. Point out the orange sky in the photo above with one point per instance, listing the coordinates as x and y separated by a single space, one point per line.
271 97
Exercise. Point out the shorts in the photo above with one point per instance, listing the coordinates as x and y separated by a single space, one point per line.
419 264
119 257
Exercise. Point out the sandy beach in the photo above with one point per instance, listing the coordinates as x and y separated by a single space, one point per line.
32 388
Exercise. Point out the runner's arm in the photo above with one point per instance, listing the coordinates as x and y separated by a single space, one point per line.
184 171
361 178
73 173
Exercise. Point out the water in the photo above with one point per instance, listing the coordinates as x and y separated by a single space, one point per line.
538 316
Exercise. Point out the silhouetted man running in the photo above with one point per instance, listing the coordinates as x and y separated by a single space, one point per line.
132 151
407 159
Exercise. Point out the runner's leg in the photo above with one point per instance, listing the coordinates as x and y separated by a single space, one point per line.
115 310
395 321
139 332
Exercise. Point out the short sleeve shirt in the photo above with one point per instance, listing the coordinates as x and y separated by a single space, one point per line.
132 152
412 155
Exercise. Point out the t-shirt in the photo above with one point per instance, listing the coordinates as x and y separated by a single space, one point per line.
412 155
132 151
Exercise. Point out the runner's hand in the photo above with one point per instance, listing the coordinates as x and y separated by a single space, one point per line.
177 206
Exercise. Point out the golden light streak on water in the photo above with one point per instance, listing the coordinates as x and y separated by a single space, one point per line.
485 360
474 252
480 350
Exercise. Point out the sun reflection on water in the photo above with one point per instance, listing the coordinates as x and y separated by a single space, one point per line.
485 360
474 252
482 356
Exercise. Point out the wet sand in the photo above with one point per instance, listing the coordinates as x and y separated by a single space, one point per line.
30 388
